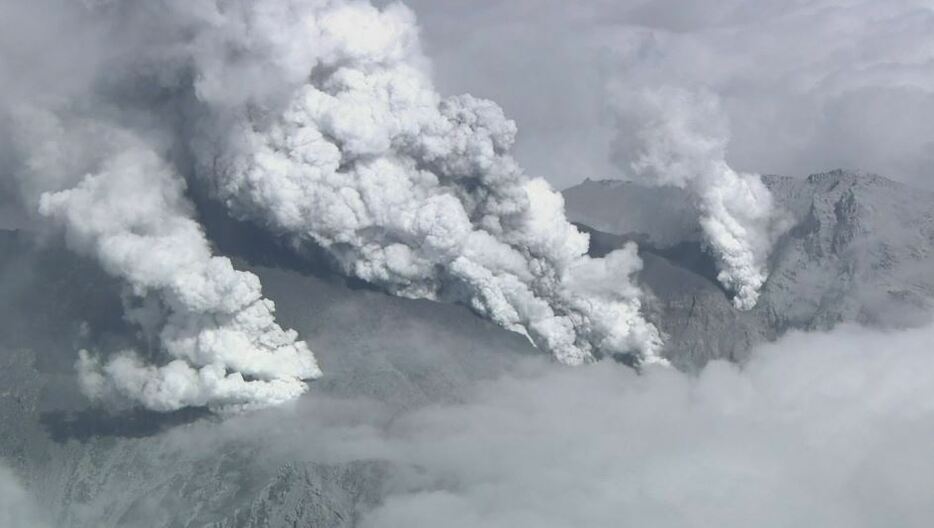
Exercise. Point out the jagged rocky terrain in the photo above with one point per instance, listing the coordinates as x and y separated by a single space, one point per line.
859 250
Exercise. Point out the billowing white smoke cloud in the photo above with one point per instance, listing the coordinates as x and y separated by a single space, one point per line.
670 136
316 119
411 192
118 201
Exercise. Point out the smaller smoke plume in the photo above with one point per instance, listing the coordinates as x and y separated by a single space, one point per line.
119 202
670 136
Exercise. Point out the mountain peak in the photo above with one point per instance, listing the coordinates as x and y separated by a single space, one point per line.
858 250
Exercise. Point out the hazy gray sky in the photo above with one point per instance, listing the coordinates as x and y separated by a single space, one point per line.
808 85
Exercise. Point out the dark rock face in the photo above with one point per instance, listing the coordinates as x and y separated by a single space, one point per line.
860 250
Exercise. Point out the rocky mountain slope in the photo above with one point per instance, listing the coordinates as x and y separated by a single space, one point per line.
860 250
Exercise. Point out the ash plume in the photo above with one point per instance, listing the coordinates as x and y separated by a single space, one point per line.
671 136
412 192
318 120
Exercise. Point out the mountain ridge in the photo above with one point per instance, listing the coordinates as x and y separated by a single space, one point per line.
859 249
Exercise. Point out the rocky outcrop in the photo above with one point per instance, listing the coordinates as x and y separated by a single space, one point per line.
859 250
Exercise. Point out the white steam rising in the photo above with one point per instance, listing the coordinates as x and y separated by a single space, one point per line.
681 140
117 200
316 119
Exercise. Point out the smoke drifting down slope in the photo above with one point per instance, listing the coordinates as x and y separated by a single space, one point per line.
316 119
121 203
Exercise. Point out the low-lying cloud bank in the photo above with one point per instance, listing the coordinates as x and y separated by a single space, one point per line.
830 429
808 85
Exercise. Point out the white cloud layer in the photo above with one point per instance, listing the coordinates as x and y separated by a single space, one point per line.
831 429
824 430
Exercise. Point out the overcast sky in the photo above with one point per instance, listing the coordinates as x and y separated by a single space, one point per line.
808 85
